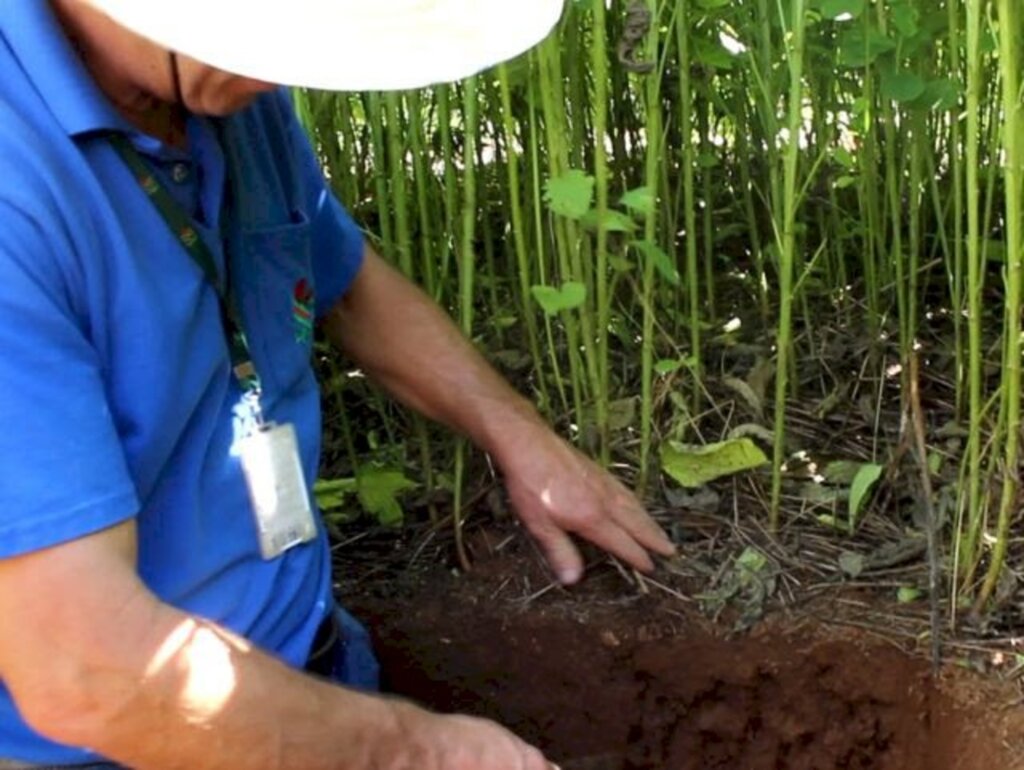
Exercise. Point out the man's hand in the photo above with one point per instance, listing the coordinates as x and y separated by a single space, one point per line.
557 491
462 743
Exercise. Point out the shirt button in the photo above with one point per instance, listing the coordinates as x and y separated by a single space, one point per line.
180 173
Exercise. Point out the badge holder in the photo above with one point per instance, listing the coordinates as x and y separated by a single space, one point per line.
277 488
272 467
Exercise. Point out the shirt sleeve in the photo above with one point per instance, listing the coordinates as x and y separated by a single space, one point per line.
63 473
337 242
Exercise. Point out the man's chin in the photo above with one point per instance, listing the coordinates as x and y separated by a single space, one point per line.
222 108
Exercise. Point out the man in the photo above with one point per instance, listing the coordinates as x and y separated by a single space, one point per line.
164 231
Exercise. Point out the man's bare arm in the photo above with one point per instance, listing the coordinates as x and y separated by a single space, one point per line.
93 659
408 345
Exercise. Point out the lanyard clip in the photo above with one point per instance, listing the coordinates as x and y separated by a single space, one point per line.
252 400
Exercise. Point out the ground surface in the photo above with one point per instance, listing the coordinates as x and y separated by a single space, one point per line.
616 675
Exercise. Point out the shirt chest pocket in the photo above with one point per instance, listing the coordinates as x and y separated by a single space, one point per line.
273 269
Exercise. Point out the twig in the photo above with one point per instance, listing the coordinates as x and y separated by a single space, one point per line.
645 580
422 546
527 600
931 520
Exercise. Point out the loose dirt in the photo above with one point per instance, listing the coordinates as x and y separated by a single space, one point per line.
603 679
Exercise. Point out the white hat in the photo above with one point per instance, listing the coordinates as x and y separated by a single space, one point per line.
342 45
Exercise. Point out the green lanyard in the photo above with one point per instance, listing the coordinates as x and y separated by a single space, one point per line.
180 225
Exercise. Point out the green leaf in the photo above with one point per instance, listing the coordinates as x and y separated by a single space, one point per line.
747 393
905 18
833 9
570 195
753 430
639 201
859 49
613 221
707 160
378 490
694 466
330 494
989 43
822 494
942 94
994 251
710 5
668 366
841 471
844 158
620 264
622 413
902 86
866 477
908 594
916 46
712 54
852 564
512 360
751 560
662 262
553 301
828 520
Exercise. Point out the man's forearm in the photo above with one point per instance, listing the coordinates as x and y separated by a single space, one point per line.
215 702
105 664
407 344
208 701
185 693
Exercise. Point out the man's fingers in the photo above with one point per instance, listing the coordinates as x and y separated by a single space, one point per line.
632 517
560 552
617 541
624 533
649 533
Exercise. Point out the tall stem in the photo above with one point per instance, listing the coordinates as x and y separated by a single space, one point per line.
791 167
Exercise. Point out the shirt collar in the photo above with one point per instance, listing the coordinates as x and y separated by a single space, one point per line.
55 70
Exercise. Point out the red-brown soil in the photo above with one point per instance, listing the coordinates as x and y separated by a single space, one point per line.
603 682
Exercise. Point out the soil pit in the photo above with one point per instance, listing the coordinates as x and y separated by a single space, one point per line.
606 688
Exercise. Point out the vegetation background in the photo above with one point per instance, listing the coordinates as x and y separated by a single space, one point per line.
776 237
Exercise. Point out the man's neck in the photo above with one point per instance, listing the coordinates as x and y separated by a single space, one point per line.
132 72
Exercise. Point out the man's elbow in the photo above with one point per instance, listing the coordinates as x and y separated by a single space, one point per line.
73 704
83 684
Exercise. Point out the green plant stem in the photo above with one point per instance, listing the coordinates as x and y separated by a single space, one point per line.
967 546
1013 147
652 100
788 250
467 272
519 237
689 162
599 64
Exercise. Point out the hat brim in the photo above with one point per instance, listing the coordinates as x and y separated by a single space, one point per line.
343 45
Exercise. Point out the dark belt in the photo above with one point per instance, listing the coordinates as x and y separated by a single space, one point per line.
13 764
324 651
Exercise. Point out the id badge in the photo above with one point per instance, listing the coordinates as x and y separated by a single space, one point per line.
277 488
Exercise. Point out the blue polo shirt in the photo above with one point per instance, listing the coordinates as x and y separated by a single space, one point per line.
116 396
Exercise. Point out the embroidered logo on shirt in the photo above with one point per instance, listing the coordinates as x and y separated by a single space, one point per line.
189 237
302 311
149 184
